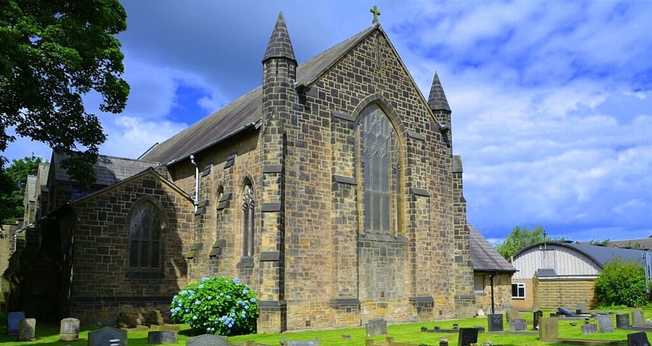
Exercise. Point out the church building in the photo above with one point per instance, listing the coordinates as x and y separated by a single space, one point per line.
331 189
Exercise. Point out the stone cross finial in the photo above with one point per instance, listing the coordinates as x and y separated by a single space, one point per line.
376 14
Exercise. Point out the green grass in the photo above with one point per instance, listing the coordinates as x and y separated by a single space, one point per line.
407 333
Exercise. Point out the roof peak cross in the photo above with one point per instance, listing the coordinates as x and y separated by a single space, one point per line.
376 13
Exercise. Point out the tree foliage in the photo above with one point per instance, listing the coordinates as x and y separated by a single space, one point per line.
621 283
12 186
53 52
521 237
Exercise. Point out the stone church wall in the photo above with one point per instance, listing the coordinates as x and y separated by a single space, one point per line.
102 279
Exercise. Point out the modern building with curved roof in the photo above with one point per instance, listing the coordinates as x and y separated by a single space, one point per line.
554 274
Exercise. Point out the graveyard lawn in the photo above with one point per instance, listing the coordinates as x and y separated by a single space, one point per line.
403 333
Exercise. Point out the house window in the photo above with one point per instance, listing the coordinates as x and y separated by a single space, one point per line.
248 221
478 283
518 291
145 236
379 171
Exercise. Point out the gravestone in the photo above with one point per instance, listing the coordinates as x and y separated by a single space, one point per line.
536 317
637 317
605 324
564 311
315 342
517 325
549 329
591 328
154 318
162 337
495 322
376 326
13 319
207 340
27 329
107 336
622 321
513 315
637 339
467 336
581 308
69 330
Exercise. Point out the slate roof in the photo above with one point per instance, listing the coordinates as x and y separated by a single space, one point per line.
484 256
437 99
245 113
600 254
108 170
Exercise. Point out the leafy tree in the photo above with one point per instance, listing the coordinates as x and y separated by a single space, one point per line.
53 52
621 283
521 237
605 242
12 186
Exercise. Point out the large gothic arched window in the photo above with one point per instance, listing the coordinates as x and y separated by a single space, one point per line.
145 229
379 171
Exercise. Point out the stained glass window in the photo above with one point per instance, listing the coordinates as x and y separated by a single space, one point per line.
145 236
248 220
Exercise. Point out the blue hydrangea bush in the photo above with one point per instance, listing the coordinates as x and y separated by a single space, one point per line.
216 306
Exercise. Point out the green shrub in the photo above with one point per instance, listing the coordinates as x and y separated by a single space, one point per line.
216 306
621 283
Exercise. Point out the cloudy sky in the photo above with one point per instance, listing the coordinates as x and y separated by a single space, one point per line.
551 100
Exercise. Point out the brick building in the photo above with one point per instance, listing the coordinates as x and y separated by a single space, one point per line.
332 190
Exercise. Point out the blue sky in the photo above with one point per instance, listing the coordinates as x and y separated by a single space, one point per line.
551 100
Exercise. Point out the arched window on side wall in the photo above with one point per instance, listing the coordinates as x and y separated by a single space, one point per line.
379 165
248 220
145 231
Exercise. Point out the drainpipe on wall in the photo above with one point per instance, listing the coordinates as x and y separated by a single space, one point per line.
196 198
491 278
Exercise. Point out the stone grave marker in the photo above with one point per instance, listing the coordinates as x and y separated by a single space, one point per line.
590 328
536 318
376 326
467 336
495 322
637 339
154 318
27 329
162 337
13 319
605 324
637 317
107 336
564 311
622 321
315 342
207 340
517 325
69 330
513 315
580 308
549 329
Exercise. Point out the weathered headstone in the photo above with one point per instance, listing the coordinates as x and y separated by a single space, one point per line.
513 314
536 318
13 319
376 326
207 340
517 325
315 342
129 319
162 337
637 339
27 329
495 322
467 336
581 308
605 324
622 321
637 317
590 328
154 318
107 336
69 330
549 329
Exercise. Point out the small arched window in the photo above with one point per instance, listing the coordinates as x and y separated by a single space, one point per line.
146 227
248 220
